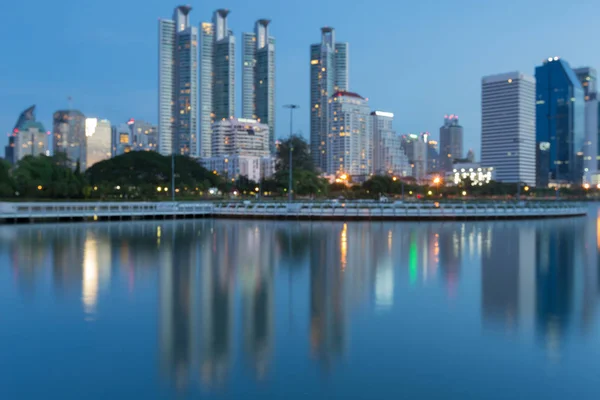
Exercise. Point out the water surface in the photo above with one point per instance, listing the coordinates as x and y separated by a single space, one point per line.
261 309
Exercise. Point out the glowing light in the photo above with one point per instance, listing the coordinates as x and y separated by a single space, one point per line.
166 189
527 188
118 187
394 179
159 189
437 180
344 246
429 193
344 177
40 187
314 62
464 193
586 186
235 192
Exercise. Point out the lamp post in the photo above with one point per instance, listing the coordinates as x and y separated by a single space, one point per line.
173 175
291 107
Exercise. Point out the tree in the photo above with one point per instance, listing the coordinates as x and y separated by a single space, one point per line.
7 185
140 173
301 158
47 177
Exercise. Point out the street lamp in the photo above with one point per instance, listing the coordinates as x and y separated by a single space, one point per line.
291 107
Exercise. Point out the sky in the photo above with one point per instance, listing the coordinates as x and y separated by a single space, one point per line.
418 59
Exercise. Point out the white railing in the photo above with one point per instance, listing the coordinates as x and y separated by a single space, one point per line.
349 210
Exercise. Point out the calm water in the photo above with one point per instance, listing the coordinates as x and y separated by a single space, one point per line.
228 309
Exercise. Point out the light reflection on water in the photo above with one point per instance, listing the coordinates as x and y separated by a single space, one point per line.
231 308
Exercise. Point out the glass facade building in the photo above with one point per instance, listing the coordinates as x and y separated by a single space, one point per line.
329 73
69 137
31 140
98 136
451 142
258 77
217 76
10 151
560 118
178 84
591 161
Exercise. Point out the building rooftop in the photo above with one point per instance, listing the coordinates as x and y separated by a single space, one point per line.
347 94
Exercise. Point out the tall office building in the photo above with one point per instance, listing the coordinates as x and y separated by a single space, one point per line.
508 126
178 84
30 140
350 143
433 157
416 149
451 142
217 76
69 137
98 137
258 77
560 118
329 74
388 155
588 78
9 151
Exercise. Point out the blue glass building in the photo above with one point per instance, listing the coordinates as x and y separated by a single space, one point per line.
560 118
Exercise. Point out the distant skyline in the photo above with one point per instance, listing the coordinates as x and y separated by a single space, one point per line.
419 61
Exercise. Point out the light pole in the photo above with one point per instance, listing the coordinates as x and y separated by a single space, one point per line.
292 107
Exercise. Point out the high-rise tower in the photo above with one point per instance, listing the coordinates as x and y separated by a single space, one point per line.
178 84
217 76
560 118
258 77
329 73
508 126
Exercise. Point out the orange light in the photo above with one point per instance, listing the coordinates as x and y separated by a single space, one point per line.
394 179
586 186
436 180
344 177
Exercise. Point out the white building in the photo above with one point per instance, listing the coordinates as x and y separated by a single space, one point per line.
253 168
258 77
217 76
240 147
240 136
388 155
98 136
508 126
178 84
329 73
31 140
350 139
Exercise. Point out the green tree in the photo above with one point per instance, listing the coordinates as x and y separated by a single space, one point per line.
7 185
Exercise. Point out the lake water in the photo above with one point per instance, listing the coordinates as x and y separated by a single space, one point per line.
261 309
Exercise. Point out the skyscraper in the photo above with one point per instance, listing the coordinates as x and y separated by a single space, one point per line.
30 140
329 74
416 148
98 137
258 77
587 77
451 142
350 145
508 126
217 76
26 116
69 137
178 84
388 156
560 117
433 157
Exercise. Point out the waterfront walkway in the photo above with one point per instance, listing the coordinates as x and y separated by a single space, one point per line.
87 211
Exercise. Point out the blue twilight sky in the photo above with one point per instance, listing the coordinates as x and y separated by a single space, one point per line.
418 59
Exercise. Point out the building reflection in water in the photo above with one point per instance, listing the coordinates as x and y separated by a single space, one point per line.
217 280
541 278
